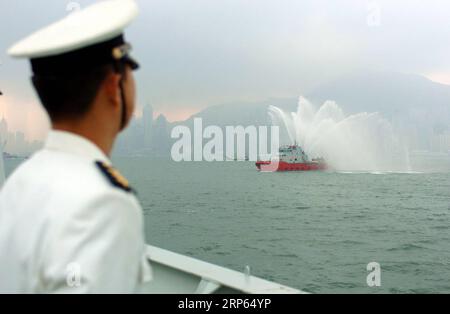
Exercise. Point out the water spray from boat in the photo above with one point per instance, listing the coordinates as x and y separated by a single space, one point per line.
357 142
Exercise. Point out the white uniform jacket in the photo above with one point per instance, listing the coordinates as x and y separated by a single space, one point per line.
69 225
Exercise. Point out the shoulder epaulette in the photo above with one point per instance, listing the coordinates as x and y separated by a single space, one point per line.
114 177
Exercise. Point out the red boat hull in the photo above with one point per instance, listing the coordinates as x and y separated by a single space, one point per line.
272 166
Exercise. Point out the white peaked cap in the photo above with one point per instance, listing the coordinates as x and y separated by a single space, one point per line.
97 23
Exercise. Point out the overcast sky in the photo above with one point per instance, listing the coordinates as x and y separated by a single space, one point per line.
197 53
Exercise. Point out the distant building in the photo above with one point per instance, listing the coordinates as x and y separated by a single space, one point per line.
160 137
21 144
147 121
441 142
145 136
15 143
3 128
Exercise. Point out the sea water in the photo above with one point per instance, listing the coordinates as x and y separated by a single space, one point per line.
315 231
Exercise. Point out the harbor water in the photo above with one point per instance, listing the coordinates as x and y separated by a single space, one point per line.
315 231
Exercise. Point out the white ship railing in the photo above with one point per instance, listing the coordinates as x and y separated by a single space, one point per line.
178 274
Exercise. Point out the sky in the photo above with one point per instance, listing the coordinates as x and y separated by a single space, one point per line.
199 53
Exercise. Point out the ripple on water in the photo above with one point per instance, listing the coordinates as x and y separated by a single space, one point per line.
209 248
344 285
440 227
287 255
407 247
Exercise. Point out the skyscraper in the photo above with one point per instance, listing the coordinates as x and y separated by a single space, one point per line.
161 138
3 129
147 121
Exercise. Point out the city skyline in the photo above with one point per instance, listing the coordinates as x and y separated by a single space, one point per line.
15 142
149 134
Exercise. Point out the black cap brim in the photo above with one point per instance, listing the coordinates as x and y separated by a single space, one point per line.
131 62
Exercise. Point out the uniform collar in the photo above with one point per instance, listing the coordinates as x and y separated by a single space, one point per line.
74 144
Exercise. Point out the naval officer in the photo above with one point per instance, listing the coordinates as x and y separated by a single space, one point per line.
69 222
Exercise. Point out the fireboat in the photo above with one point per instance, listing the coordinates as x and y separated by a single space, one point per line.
292 158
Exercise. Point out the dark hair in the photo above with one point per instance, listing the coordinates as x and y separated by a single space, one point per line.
70 95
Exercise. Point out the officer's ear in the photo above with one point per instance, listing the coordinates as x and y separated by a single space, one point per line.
111 87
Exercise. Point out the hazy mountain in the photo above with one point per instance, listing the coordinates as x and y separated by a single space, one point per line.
394 95
240 113
418 108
